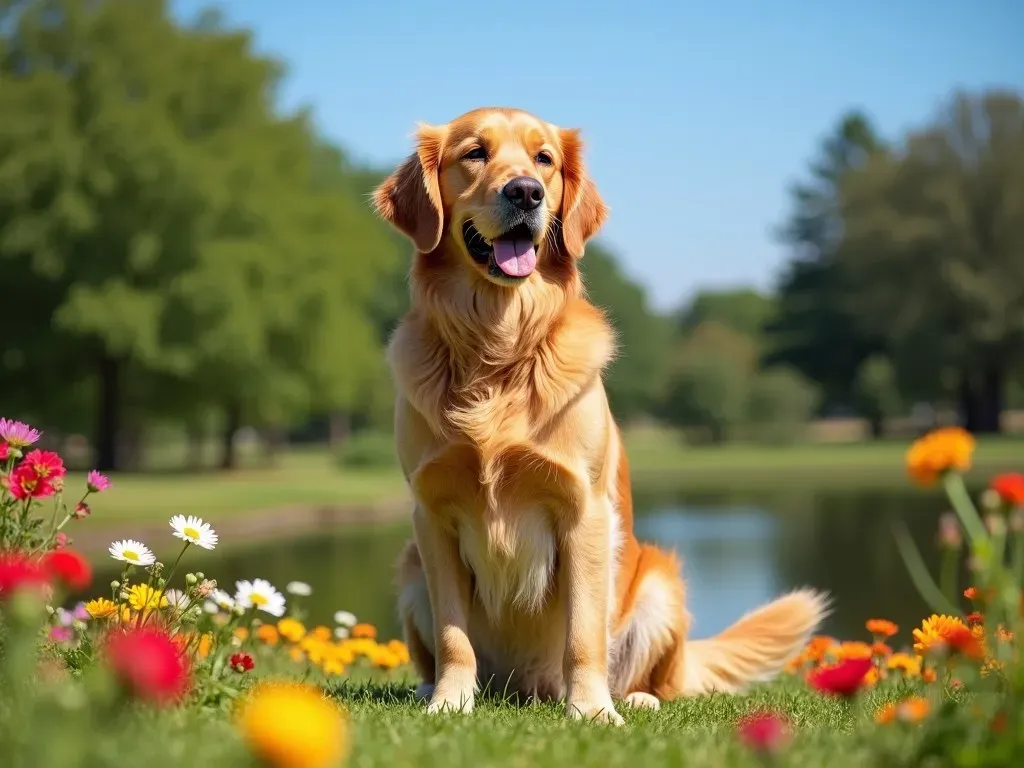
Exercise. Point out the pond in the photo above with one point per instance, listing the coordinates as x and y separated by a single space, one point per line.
738 549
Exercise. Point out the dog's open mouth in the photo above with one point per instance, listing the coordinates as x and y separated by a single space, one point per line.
512 256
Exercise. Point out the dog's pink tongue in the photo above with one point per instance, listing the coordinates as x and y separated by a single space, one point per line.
516 258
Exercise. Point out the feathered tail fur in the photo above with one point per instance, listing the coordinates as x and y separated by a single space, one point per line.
755 648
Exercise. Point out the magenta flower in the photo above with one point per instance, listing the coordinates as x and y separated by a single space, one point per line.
61 634
97 482
17 433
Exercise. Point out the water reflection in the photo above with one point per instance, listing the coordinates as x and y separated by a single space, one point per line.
738 551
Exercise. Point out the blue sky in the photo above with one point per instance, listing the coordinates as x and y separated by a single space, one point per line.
697 114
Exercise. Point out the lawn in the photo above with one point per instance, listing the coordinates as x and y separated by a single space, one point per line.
390 730
310 477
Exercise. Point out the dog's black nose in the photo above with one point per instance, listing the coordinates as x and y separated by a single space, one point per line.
524 192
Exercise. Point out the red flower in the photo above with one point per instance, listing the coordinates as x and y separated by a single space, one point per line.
975 618
764 731
842 679
148 664
1010 488
5 451
69 568
241 662
46 464
18 572
962 640
82 511
25 483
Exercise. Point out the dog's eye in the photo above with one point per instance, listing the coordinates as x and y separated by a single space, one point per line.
543 158
476 153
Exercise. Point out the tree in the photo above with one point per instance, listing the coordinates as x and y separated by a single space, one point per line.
876 392
745 310
814 330
709 380
781 404
933 235
643 336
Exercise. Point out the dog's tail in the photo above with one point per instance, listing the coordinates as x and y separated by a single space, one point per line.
756 647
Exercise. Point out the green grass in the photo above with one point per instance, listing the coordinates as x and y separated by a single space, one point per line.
389 729
311 477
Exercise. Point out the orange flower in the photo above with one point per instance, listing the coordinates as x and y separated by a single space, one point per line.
913 710
941 632
854 649
973 593
1004 634
928 675
909 665
268 634
241 633
975 619
205 645
940 451
366 631
322 633
882 627
886 714
818 646
880 649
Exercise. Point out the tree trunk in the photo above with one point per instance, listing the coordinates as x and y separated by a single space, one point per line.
108 413
130 442
232 423
338 429
981 401
274 440
876 423
196 436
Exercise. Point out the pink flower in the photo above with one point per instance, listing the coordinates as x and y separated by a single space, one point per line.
17 433
96 482
765 732
25 483
61 634
47 464
60 541
82 511
5 451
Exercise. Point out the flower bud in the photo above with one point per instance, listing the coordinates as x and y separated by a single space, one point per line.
200 576
123 595
191 579
82 511
950 536
238 610
996 524
115 584
990 500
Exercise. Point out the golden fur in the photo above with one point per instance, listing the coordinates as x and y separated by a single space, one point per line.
524 572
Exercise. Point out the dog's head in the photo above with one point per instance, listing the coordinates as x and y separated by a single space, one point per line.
500 188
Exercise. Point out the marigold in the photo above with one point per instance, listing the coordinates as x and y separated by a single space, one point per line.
291 629
854 649
333 666
101 608
881 649
364 631
882 628
975 618
205 645
323 633
940 451
886 714
267 633
939 632
904 662
400 649
928 675
384 659
294 726
296 654
913 709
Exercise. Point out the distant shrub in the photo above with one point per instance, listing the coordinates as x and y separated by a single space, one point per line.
368 450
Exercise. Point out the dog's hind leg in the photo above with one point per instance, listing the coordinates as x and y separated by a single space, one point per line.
417 621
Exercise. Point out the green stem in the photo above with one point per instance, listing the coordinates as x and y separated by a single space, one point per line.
950 559
918 571
964 507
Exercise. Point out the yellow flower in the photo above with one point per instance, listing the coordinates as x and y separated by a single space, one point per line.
314 648
364 631
144 597
268 634
322 633
205 645
934 631
384 658
400 650
101 608
940 451
343 653
291 629
294 726
297 655
333 666
126 615
909 665
241 633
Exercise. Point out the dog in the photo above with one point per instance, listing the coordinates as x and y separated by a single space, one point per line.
524 572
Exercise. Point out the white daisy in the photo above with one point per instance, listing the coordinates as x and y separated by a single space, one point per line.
345 619
131 551
222 599
300 588
260 594
177 599
193 530
341 632
211 607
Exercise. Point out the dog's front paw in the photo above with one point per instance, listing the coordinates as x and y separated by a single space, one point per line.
458 701
598 710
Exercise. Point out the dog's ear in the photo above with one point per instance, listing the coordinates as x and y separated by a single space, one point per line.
583 210
410 198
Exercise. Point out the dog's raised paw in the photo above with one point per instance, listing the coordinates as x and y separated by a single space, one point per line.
641 700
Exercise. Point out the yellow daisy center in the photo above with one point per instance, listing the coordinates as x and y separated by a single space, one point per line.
131 554
258 599
192 533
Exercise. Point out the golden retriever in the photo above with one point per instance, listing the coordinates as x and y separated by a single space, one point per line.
524 572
